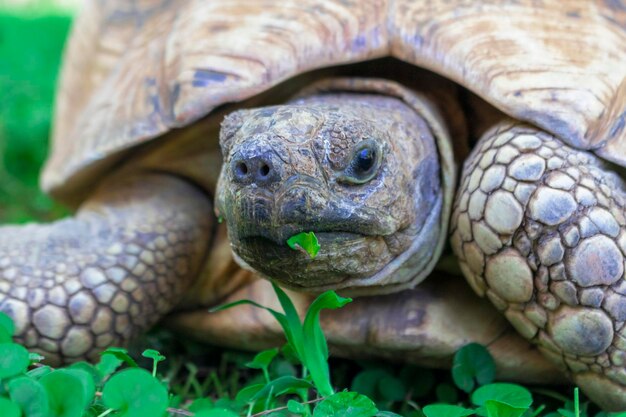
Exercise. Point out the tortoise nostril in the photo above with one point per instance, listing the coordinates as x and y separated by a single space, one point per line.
264 170
241 169
254 168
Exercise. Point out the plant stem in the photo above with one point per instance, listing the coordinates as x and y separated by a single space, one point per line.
576 403
179 411
538 410
110 410
262 413
269 398
169 409
304 392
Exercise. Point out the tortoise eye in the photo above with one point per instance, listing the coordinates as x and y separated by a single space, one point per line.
364 164
364 160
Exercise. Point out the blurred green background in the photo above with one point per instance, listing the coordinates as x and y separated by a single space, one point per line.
32 35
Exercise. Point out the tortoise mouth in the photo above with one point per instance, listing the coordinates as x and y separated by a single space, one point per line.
263 250
324 238
342 256
279 235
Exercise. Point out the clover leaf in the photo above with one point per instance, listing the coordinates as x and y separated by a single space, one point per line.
135 392
69 391
447 410
14 359
346 404
9 408
31 396
7 328
472 364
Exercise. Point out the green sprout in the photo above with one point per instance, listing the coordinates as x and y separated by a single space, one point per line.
305 242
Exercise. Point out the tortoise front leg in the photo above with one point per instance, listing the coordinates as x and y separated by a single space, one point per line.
81 284
539 229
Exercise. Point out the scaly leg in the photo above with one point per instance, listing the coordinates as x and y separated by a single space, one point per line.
539 229
81 284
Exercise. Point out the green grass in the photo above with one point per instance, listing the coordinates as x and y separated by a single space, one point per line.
294 380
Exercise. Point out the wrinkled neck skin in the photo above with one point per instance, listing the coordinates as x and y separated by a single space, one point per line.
361 171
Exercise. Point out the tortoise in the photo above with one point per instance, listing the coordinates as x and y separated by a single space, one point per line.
350 119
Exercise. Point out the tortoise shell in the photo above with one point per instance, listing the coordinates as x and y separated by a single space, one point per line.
136 70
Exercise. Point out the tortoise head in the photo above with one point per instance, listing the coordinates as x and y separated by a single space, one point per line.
361 171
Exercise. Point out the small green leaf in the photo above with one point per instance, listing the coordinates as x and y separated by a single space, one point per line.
214 412
108 364
9 408
121 354
155 355
96 376
392 389
5 336
67 395
34 358
292 330
86 381
13 360
378 384
175 401
282 385
135 393
387 414
499 409
263 359
7 328
227 404
446 410
305 242
282 367
346 404
6 323
510 394
473 363
367 382
201 404
292 326
296 407
39 372
246 395
156 358
316 348
30 395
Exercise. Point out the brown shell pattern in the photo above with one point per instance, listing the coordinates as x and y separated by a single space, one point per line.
135 70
